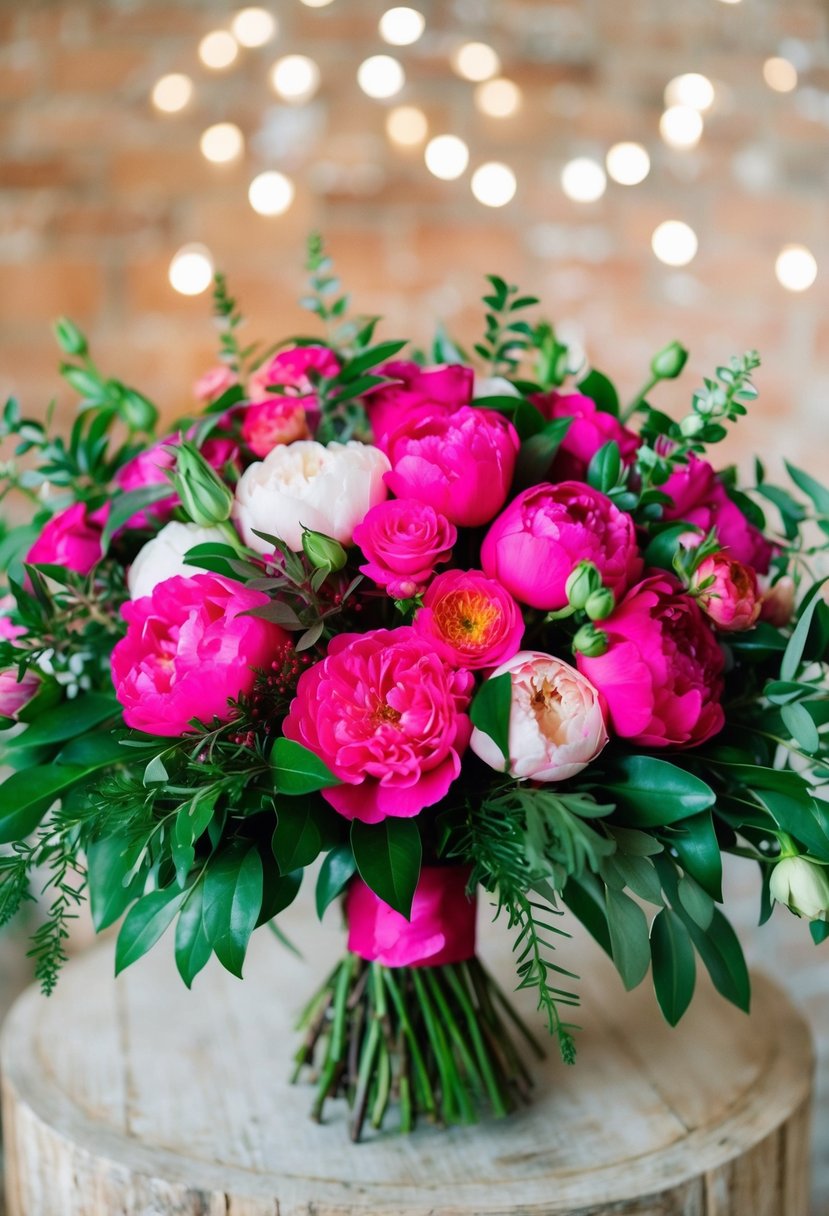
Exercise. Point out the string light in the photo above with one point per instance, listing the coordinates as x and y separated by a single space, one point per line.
271 193
628 164
796 268
681 127
476 61
493 184
380 76
691 89
674 243
221 143
317 3
583 180
401 26
407 126
172 93
218 50
780 74
498 98
191 270
253 27
295 78
446 157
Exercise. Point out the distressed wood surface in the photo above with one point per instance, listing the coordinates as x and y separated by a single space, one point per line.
136 1097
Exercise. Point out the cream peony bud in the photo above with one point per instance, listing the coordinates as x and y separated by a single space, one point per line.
803 886
163 556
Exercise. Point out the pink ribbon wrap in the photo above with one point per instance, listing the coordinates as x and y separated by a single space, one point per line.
441 930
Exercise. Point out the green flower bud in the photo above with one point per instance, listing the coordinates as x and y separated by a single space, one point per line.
138 413
600 604
590 641
691 425
802 885
669 362
583 581
204 496
70 339
323 551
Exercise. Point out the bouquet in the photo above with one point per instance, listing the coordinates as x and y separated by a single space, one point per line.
448 622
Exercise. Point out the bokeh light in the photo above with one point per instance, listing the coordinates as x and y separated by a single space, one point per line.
295 78
446 157
381 76
218 50
691 89
254 27
796 268
681 127
674 243
493 184
628 163
498 98
780 74
222 143
401 26
583 180
271 193
476 61
172 93
191 270
407 126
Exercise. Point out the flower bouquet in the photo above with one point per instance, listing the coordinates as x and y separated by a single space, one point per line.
449 623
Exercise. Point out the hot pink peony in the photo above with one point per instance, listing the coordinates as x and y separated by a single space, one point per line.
661 675
470 619
213 383
461 463
534 545
149 468
295 368
701 498
727 592
276 420
589 430
388 716
72 538
556 723
403 540
188 651
415 387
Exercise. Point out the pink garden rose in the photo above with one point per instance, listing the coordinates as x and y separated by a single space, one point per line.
415 387
388 716
461 463
210 386
15 694
731 598
701 498
589 430
661 675
72 539
470 619
534 545
188 651
403 540
556 724
149 468
276 420
292 369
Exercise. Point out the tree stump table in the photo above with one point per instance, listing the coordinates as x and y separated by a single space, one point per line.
139 1098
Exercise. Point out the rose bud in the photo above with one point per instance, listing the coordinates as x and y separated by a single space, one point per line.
583 581
727 592
323 552
777 604
204 496
669 362
803 886
590 641
600 604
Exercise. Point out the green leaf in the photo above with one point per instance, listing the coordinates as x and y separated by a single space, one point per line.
629 939
601 390
124 506
388 856
696 844
297 838
233 888
280 890
799 722
800 816
67 720
811 488
674 969
761 642
26 796
297 770
538 451
337 869
697 903
112 884
819 930
100 749
650 792
663 546
490 711
720 950
583 896
193 947
797 642
370 358
155 773
605 467
144 924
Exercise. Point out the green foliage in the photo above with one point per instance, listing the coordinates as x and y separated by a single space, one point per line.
490 711
507 337
388 856
296 770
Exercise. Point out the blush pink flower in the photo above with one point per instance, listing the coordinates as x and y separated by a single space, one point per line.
295 369
590 429
403 540
727 592
149 468
470 619
700 498
461 463
661 675
188 651
447 387
72 538
556 723
15 694
778 602
534 545
277 420
388 716
217 380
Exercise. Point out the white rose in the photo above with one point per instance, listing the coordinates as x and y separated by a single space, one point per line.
803 886
305 484
163 556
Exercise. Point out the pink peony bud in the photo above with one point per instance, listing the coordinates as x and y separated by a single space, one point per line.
727 592
213 383
277 420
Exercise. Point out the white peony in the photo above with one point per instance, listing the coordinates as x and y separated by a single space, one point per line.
163 556
305 484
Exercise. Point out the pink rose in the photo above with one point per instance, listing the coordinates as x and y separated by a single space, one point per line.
210 386
15 694
470 619
556 724
461 463
534 545
589 430
388 407
700 498
403 540
731 598
777 604
388 717
273 421
72 538
661 675
188 651
296 368
150 468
